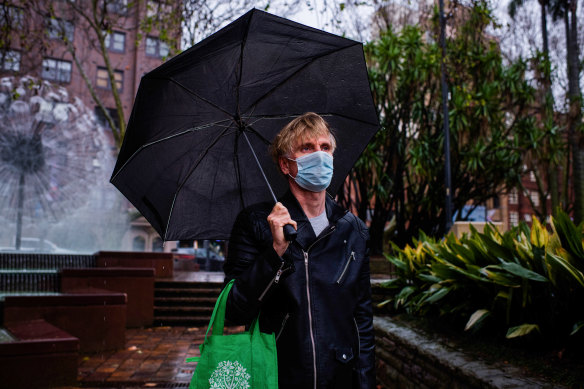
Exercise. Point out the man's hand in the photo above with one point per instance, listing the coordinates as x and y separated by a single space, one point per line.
277 219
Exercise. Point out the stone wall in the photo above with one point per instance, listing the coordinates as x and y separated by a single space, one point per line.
406 359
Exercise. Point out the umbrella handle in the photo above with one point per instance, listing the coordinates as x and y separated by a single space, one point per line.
290 233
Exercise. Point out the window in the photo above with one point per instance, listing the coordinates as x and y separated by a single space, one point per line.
156 48
115 41
10 60
527 217
514 196
532 176
117 6
56 70
101 119
138 243
157 245
157 8
12 17
534 196
513 218
103 80
60 29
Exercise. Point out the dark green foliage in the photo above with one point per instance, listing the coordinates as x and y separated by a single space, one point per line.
401 174
525 281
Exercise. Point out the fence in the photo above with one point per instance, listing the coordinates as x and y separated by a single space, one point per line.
37 273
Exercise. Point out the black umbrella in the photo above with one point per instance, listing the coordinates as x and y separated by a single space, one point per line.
187 161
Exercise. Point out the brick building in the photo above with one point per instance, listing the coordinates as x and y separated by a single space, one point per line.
57 41
37 46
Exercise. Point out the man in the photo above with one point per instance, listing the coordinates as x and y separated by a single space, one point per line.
314 293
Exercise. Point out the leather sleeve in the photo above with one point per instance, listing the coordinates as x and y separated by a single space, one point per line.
364 318
253 262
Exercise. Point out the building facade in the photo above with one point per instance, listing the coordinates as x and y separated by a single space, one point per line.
59 41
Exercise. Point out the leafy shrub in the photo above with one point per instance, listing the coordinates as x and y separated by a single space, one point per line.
526 280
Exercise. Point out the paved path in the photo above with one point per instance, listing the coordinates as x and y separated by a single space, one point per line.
153 358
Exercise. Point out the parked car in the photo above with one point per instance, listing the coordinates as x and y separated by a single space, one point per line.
37 245
214 262
186 257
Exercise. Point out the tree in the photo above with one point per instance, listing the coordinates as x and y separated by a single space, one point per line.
544 153
401 174
171 21
567 10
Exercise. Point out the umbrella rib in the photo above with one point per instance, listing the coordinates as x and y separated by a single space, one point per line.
199 97
195 165
323 114
144 146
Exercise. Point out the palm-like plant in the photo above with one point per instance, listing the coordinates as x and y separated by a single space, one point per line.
527 279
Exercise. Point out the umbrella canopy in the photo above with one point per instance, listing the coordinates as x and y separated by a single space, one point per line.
185 164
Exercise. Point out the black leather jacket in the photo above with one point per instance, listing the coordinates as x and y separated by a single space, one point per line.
316 298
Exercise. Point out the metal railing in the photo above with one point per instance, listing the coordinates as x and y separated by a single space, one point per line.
36 272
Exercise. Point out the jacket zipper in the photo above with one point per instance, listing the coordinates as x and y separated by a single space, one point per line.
273 281
351 258
309 302
358 338
283 325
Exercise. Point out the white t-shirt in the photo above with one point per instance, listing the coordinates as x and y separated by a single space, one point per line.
319 223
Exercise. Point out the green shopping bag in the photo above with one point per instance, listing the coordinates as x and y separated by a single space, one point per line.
236 361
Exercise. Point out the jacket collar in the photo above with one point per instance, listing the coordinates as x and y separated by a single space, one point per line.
305 232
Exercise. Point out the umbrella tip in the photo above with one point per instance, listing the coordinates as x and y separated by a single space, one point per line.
240 123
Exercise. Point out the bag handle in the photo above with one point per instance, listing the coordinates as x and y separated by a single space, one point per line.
217 321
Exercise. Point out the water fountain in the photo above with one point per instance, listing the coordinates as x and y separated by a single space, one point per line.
55 162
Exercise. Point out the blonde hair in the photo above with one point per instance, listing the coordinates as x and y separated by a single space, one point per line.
306 126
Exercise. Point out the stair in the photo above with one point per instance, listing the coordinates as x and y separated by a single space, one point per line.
181 303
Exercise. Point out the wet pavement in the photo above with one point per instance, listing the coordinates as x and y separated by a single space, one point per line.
153 357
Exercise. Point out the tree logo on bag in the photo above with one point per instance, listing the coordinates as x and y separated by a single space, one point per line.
229 375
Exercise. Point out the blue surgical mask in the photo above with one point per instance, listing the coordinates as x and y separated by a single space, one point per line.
315 171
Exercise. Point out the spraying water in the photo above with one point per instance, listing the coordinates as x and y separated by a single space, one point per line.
55 161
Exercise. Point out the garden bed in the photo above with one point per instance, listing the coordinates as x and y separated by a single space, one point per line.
533 358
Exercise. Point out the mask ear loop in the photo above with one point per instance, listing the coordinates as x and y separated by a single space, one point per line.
294 160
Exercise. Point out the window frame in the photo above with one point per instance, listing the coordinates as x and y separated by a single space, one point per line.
110 38
158 46
15 16
55 28
58 71
7 55
514 218
106 78
514 196
119 7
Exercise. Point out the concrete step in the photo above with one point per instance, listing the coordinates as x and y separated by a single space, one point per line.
184 301
181 292
182 311
187 284
187 321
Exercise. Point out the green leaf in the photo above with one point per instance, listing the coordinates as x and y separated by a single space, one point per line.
559 263
522 330
577 327
569 234
522 272
435 295
476 318
539 234
429 278
403 295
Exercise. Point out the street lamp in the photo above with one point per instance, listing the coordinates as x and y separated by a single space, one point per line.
444 87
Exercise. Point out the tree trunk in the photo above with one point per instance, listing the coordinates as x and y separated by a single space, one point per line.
575 115
548 109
